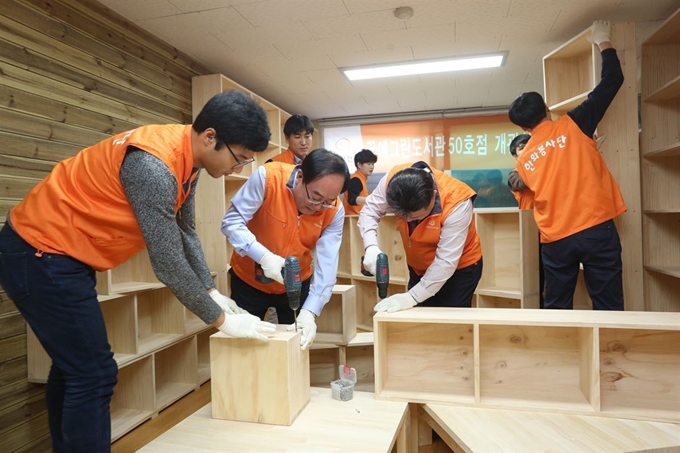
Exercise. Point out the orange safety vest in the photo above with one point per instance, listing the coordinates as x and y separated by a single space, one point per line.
80 208
278 226
525 198
352 209
287 157
421 245
573 188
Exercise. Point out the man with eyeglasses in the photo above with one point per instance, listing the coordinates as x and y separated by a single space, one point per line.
285 210
437 226
96 210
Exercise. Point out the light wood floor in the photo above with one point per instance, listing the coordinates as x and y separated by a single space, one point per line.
177 412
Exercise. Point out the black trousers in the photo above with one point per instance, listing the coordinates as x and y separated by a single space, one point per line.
257 302
457 291
599 249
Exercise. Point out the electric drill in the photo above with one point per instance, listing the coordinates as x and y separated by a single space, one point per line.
382 274
292 281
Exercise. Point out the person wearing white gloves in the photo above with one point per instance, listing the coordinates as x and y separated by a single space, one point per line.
576 197
285 210
436 223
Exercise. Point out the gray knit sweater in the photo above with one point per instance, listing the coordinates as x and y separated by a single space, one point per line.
174 248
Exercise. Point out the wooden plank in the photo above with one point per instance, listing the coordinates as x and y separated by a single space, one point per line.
11 324
45 118
12 348
12 370
21 166
534 432
16 187
6 304
24 433
31 41
44 65
120 115
73 37
23 146
107 26
17 391
21 412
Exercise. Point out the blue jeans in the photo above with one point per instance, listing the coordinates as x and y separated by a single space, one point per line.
57 297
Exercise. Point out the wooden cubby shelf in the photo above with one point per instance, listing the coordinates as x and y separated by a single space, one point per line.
615 364
660 151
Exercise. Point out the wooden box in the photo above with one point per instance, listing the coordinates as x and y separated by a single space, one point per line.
259 381
612 364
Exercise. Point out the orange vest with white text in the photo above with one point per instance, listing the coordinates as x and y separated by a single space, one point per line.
573 188
352 209
421 245
80 208
287 157
278 226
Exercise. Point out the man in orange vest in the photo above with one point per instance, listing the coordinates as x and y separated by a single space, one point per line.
285 210
436 222
357 191
298 131
575 196
98 209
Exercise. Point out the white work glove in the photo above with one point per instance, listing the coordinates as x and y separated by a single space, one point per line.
246 326
371 258
398 302
599 32
307 323
226 304
271 266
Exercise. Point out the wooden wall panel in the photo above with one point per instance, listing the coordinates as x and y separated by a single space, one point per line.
72 73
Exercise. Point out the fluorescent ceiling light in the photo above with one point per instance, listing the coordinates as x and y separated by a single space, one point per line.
426 67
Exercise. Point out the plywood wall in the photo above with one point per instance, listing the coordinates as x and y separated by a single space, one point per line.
71 73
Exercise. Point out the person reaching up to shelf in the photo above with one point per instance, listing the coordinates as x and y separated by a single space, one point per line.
285 210
576 197
436 222
298 131
93 212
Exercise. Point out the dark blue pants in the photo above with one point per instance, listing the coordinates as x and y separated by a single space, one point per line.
599 249
257 302
457 291
57 297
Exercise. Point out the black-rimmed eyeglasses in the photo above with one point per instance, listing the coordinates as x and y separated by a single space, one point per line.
239 163
320 202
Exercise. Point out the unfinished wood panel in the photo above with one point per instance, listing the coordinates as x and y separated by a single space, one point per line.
611 364
337 322
261 382
515 431
660 151
203 354
134 398
135 274
344 254
160 320
175 372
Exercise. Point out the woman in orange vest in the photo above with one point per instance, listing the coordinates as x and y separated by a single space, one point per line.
98 209
575 196
298 131
437 227
284 210
357 191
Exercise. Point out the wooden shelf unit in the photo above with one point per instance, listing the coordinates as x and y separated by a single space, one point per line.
614 364
660 155
570 72
510 277
214 197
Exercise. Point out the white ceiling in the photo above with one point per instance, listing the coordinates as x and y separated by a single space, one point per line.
289 51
